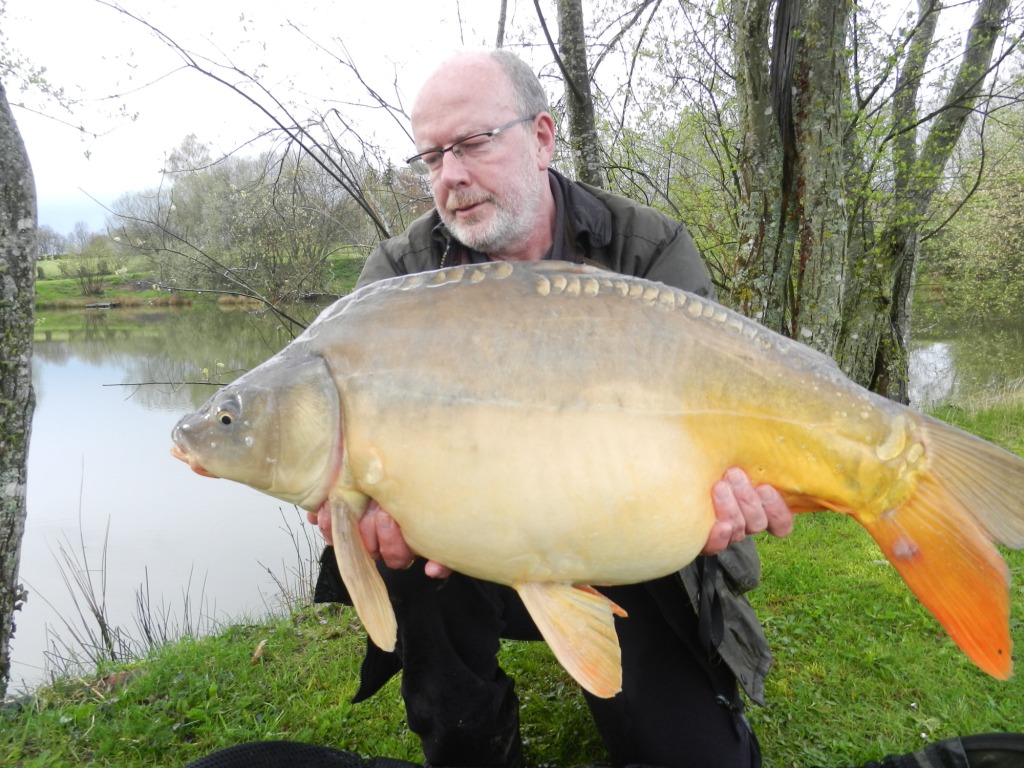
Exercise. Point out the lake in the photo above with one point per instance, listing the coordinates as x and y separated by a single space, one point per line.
110 386
109 391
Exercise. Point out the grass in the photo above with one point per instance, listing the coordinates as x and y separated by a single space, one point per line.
194 696
53 291
861 671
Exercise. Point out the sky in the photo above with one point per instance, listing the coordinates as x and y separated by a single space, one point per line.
135 102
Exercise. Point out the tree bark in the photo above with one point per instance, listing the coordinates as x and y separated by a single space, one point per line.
793 229
572 49
17 400
873 347
822 257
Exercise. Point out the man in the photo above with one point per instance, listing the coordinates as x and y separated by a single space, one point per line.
485 139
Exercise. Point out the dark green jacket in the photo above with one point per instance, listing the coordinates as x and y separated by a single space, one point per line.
615 233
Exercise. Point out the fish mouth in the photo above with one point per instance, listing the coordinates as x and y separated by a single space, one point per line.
195 466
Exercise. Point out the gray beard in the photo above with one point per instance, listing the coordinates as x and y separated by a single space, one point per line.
513 220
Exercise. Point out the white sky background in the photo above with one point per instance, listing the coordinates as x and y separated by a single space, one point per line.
94 53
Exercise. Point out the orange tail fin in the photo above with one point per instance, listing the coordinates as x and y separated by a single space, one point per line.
955 572
940 541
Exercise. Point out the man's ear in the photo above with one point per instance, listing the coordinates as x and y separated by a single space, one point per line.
544 133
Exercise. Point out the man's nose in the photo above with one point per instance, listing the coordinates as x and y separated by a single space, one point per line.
454 171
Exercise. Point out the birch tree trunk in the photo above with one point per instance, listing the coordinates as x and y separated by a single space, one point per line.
17 301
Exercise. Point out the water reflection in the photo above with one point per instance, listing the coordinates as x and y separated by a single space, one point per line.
932 375
956 364
110 387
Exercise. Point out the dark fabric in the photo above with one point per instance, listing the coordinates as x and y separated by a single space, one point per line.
984 750
290 754
994 750
987 750
677 707
600 228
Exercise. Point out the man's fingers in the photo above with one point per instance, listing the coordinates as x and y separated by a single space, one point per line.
719 538
322 520
383 539
435 570
748 500
742 509
727 508
776 510
368 530
393 549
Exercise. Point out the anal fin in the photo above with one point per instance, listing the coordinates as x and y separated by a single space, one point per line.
578 625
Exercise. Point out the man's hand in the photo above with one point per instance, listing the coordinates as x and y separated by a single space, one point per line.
740 509
382 537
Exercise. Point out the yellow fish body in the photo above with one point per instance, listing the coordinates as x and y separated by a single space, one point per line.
551 427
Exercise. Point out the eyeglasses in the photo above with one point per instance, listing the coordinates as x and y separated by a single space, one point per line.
470 148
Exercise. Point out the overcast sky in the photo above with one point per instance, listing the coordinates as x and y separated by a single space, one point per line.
93 53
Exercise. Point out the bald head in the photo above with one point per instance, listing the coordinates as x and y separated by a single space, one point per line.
482 80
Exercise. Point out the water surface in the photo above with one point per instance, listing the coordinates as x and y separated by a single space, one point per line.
109 388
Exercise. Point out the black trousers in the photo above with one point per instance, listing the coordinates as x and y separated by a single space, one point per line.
677 707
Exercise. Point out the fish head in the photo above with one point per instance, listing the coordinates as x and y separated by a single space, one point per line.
277 429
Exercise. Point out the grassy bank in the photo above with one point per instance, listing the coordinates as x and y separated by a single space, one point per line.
135 288
861 671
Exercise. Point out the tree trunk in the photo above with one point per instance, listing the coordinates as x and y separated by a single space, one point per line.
793 229
17 401
583 138
873 347
820 258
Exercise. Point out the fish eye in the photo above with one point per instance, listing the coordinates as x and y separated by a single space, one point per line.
228 411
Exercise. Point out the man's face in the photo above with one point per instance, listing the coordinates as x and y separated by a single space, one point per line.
490 200
499 207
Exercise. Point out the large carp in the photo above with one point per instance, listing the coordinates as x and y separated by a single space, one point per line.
552 427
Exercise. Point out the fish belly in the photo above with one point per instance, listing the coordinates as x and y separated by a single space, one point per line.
514 494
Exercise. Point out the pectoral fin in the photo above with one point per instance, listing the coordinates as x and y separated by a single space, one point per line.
578 625
359 572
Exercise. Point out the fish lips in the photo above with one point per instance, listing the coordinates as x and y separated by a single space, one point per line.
196 467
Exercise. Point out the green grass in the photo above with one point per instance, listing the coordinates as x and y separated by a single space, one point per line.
861 671
194 696
66 293
345 269
56 292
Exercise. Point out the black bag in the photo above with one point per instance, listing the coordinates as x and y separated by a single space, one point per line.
986 750
291 754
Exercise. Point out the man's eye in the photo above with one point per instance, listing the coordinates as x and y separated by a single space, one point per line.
431 159
474 146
